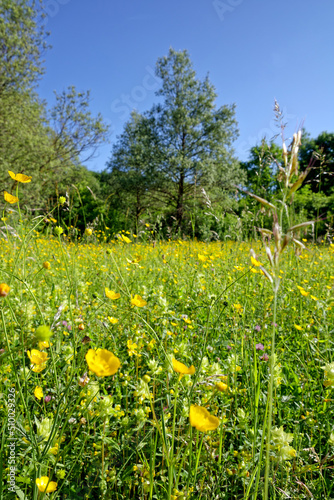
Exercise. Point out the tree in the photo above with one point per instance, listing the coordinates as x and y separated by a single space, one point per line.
49 146
22 40
133 165
179 146
195 137
261 168
320 153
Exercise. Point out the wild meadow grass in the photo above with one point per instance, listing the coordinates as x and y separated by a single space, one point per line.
179 409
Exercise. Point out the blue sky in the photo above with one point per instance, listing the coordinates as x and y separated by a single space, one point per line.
254 51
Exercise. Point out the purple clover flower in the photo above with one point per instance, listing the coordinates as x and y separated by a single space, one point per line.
258 328
259 347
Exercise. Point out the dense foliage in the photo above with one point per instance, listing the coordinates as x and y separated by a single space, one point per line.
173 166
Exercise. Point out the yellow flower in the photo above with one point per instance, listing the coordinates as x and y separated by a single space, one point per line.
302 291
37 357
38 360
112 320
38 392
54 449
111 295
132 348
102 362
46 265
255 262
38 368
44 485
43 344
202 258
298 327
201 419
88 231
138 301
19 177
186 320
182 369
10 198
126 239
4 290
238 308
314 298
221 386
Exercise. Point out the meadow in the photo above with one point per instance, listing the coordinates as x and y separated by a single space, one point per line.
140 369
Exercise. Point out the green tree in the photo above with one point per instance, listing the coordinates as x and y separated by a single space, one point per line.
133 166
195 137
261 169
319 152
49 146
22 41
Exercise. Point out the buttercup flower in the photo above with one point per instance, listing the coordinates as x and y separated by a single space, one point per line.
46 265
132 348
102 362
45 485
37 357
38 392
4 290
138 301
20 177
54 450
303 291
255 262
111 295
202 420
43 344
221 386
126 239
182 369
88 231
10 198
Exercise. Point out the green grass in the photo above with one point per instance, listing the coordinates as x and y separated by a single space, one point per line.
206 306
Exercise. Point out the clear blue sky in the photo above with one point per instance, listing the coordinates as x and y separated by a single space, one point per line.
254 51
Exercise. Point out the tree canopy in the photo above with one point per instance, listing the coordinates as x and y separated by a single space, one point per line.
45 144
185 141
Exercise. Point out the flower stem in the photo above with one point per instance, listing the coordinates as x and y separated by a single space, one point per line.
270 398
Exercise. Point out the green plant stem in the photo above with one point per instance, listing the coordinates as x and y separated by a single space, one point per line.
270 395
171 453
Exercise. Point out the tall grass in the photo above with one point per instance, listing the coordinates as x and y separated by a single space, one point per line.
129 435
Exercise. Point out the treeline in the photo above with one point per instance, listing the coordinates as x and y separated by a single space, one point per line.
173 167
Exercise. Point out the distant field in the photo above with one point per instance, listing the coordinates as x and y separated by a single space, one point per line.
118 427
